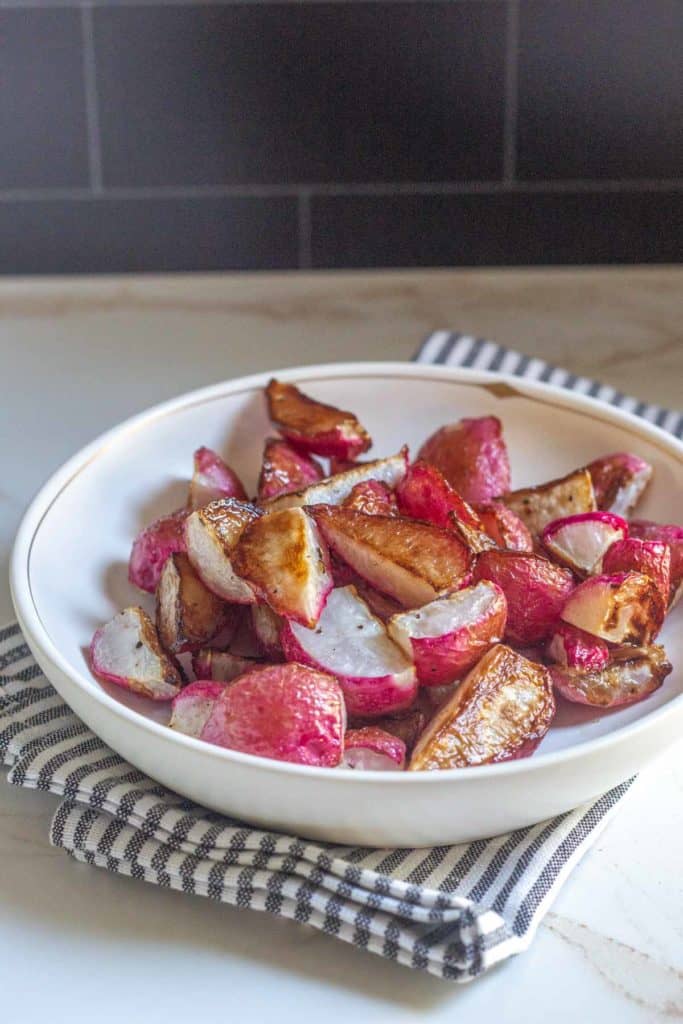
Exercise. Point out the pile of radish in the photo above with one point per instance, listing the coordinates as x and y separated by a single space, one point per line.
390 614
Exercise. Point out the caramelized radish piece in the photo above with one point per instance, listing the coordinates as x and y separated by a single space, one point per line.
424 493
669 534
621 683
574 648
535 589
500 711
284 712
407 726
373 750
379 604
504 526
472 456
626 608
537 506
188 614
267 628
335 489
313 426
191 708
447 637
211 534
221 666
475 538
341 465
580 541
213 479
126 651
651 557
373 498
153 546
412 562
351 644
285 561
619 481
284 469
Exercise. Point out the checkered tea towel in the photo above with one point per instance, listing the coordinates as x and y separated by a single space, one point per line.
454 911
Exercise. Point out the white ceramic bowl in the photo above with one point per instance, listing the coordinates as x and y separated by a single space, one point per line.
68 575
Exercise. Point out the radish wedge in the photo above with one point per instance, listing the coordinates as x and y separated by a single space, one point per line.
373 498
153 546
407 725
504 526
472 456
353 645
335 489
126 651
667 534
286 563
212 534
447 637
621 683
619 481
372 750
412 562
213 479
574 648
651 557
284 712
567 496
475 538
500 711
623 608
535 589
313 426
267 628
580 541
424 493
284 469
188 613
191 708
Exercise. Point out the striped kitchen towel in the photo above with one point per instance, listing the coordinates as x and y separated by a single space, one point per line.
454 911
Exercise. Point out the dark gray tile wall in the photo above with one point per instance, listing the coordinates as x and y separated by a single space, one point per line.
247 134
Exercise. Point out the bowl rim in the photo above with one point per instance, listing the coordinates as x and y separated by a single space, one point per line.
38 638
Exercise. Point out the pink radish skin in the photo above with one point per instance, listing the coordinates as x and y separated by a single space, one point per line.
283 712
626 608
373 498
314 427
651 557
446 638
284 470
192 707
669 534
153 546
504 526
213 479
574 648
126 651
621 683
424 493
373 749
353 645
579 542
619 481
472 456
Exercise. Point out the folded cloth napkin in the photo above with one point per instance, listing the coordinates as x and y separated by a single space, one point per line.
454 911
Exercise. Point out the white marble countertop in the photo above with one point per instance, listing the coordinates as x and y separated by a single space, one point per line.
78 944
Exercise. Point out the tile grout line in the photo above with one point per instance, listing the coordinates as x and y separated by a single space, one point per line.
91 100
511 100
305 229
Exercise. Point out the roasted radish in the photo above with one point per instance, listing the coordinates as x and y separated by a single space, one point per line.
500 711
372 497
651 557
475 538
153 546
267 628
624 681
211 534
406 725
284 469
447 637
188 614
424 493
373 750
213 479
353 645
626 608
126 651
221 666
574 648
193 705
537 506
580 541
313 426
285 712
667 534
619 481
335 489
286 563
472 456
504 526
535 589
410 561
